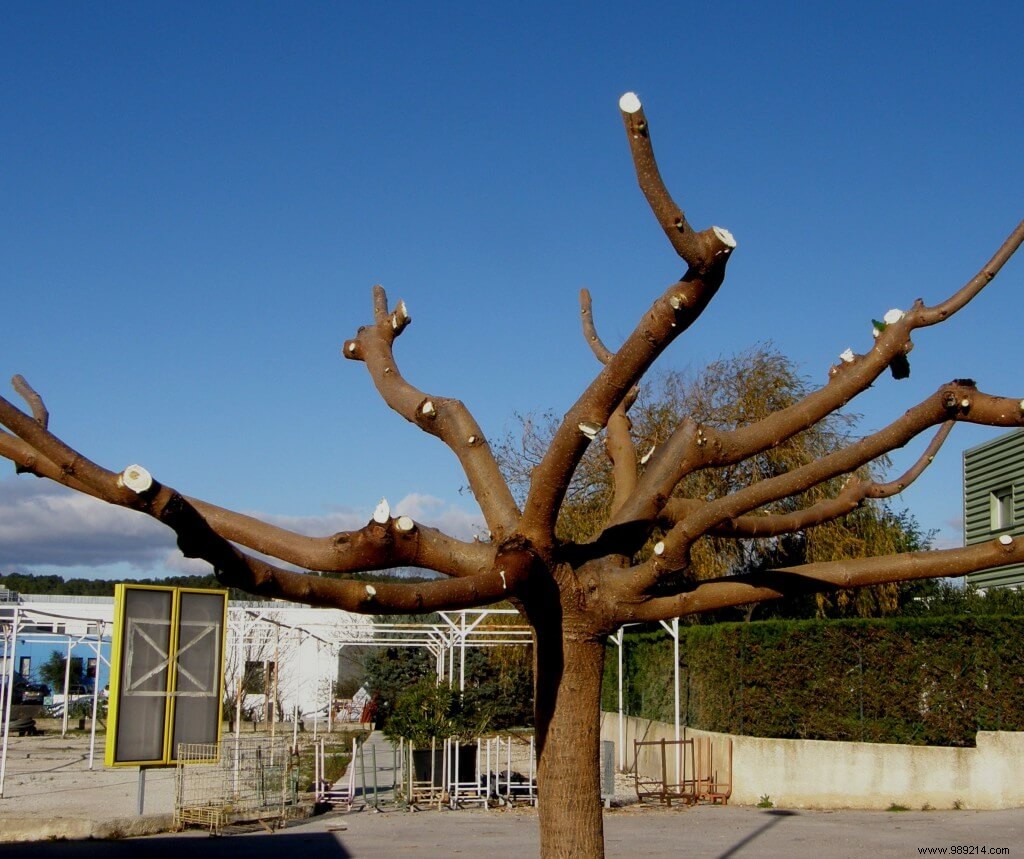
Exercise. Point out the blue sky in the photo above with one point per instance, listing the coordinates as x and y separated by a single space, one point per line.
198 199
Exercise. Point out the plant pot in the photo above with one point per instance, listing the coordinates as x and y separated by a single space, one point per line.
466 766
426 762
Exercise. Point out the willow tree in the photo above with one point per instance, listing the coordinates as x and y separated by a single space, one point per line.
574 593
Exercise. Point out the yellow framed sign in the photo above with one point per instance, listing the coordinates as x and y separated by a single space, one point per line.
167 672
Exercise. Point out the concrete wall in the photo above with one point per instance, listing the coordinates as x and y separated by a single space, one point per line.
821 774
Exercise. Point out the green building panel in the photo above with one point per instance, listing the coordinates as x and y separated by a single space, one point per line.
994 501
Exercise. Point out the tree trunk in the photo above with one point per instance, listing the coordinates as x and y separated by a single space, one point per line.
569 668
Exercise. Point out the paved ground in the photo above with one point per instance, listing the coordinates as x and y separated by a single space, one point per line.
649 832
50 793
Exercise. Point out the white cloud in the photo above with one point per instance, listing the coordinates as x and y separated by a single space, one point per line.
432 511
44 525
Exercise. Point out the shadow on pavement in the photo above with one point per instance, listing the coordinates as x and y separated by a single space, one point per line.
778 815
257 846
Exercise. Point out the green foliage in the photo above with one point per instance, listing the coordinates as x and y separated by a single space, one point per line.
931 681
390 671
51 672
428 710
502 676
765 801
81 708
943 598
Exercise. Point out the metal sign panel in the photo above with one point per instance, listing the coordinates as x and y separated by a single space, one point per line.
167 672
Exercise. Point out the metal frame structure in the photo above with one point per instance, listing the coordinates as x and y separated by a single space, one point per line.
619 640
446 640
456 631
236 780
11 619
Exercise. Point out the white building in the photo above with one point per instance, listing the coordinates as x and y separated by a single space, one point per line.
275 651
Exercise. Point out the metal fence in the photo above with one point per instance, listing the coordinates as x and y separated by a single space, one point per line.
244 779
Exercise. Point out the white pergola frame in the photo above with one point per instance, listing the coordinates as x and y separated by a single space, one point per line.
10 631
444 639
619 640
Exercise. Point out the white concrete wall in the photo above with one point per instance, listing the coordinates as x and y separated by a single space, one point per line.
822 774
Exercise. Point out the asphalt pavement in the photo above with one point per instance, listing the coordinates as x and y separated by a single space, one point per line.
703 831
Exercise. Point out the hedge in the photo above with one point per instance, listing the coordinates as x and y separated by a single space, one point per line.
929 681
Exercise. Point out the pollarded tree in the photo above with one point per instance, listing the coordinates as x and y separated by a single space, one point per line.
574 593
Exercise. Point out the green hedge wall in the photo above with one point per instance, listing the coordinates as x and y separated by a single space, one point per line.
934 681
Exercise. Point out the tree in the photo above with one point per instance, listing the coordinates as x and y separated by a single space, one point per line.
729 393
52 671
574 593
500 676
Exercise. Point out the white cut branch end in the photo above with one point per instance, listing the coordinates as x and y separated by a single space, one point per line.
428 409
135 478
590 429
1006 540
725 237
383 512
647 456
659 548
629 103
404 523
371 591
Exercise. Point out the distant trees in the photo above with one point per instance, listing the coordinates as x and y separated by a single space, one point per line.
51 584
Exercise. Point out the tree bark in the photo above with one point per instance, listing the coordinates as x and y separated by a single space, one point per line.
569 668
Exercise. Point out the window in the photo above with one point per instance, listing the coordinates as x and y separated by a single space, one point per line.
90 667
1000 508
25 665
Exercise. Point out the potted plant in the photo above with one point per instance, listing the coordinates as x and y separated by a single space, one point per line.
429 713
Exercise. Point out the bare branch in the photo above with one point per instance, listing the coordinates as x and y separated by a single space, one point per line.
35 402
706 254
447 419
690 448
376 546
601 352
27 460
940 312
74 468
851 496
678 308
197 539
953 402
695 248
618 441
396 542
854 573
887 490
